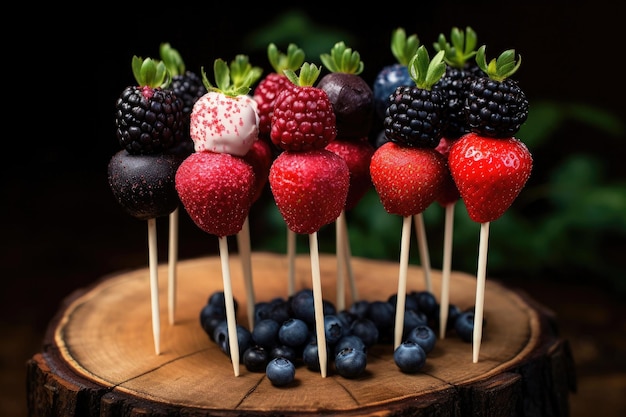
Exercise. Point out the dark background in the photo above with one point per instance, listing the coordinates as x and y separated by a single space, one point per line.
62 230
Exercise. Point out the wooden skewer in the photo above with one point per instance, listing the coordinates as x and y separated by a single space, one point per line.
444 302
422 243
480 290
318 304
245 254
172 266
231 320
154 284
401 295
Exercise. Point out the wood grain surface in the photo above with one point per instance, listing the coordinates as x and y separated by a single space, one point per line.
101 347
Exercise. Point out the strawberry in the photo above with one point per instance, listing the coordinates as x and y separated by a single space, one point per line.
357 154
216 189
489 173
225 119
303 117
309 187
449 193
260 157
273 83
407 179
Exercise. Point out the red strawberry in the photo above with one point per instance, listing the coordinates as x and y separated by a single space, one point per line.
489 173
449 193
260 157
357 154
273 83
303 117
216 189
309 188
407 179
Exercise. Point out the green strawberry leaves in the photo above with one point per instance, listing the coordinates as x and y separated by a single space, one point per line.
150 72
309 73
501 68
343 59
424 71
234 80
293 59
403 47
460 49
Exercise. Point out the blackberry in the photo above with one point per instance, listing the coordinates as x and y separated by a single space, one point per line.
415 115
149 118
454 84
496 105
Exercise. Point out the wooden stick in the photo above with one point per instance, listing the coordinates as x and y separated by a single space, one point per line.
480 290
401 295
423 248
348 253
444 302
172 266
340 302
154 284
231 319
245 254
291 262
318 304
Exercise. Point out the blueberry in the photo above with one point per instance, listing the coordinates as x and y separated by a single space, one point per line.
426 303
409 357
284 351
360 308
217 299
265 333
413 319
366 330
382 313
453 313
410 303
210 317
310 355
346 318
302 306
294 332
350 363
423 336
464 326
280 371
385 84
220 337
255 358
262 311
280 310
333 329
350 341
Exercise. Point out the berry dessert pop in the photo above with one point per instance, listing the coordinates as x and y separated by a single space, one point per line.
309 183
407 172
353 105
216 184
265 95
454 85
489 165
149 121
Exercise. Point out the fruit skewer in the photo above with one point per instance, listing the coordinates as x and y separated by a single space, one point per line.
216 184
149 122
309 183
489 165
459 53
407 172
353 104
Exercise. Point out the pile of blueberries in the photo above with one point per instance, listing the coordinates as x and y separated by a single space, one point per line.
284 333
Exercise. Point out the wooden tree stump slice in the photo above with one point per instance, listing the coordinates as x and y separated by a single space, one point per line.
98 357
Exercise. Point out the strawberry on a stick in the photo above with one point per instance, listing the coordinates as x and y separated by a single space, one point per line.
309 182
489 165
407 172
265 95
216 184
353 105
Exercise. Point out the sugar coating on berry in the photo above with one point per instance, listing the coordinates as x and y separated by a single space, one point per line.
224 124
216 190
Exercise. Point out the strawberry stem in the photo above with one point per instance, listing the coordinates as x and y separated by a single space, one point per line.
501 68
150 72
343 59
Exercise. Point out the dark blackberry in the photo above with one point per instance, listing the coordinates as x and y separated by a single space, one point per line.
149 118
415 115
454 84
187 85
496 105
